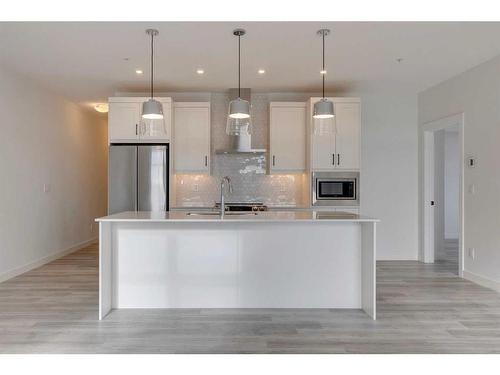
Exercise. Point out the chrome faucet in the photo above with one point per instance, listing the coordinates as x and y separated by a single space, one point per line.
223 182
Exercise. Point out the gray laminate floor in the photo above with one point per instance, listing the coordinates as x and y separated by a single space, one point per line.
448 256
421 309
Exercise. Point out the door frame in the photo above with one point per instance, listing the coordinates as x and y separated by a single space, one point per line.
427 135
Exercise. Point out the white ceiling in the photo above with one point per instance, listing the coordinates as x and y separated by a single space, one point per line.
85 61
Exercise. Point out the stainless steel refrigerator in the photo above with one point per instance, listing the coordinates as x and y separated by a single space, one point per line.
137 178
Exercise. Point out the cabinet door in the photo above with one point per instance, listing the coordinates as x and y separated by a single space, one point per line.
287 138
151 130
191 139
124 120
347 138
323 145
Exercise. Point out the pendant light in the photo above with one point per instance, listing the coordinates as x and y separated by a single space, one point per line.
323 109
238 119
152 109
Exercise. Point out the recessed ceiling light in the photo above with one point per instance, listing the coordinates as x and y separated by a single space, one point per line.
200 71
102 107
139 71
322 71
261 71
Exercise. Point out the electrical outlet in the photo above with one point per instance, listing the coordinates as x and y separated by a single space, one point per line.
196 187
472 253
91 227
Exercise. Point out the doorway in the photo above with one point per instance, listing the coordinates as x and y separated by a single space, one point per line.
443 166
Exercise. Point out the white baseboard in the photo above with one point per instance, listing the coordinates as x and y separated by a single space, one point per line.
481 280
40 262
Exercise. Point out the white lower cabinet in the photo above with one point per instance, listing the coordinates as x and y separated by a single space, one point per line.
192 137
287 137
125 123
348 210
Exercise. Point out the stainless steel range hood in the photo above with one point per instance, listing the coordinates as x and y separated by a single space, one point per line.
240 144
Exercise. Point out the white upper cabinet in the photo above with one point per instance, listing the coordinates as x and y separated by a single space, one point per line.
125 123
192 137
347 136
287 137
340 147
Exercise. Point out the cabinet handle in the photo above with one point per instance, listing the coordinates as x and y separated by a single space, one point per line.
206 161
274 160
136 129
338 159
333 159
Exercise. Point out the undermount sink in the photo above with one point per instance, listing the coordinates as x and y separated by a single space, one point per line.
217 213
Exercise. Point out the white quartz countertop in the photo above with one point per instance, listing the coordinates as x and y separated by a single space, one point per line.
269 216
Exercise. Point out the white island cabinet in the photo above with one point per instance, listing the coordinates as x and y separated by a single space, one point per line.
275 259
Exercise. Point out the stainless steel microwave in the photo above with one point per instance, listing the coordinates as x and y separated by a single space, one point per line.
335 189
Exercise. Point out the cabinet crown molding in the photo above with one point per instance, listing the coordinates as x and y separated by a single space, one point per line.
136 99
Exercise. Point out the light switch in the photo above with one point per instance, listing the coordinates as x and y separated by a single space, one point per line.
46 188
472 188
471 161
472 253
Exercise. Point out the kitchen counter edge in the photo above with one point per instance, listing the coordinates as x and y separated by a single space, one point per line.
268 216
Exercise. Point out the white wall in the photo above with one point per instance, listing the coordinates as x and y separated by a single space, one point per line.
389 187
46 139
451 184
476 93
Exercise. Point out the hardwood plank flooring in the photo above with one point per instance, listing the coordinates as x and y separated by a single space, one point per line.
448 257
422 308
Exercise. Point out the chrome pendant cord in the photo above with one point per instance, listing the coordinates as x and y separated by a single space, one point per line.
152 48
239 65
323 71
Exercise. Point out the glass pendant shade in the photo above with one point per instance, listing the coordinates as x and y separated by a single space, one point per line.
324 126
152 110
152 124
152 128
238 121
323 115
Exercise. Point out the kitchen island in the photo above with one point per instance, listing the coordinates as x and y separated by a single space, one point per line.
274 259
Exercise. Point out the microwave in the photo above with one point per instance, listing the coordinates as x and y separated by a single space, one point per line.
335 189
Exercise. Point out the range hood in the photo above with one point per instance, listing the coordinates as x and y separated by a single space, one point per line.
240 144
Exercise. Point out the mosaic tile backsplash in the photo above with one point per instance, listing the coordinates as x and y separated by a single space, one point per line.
247 171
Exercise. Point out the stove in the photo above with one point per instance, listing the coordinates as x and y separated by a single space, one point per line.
243 206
